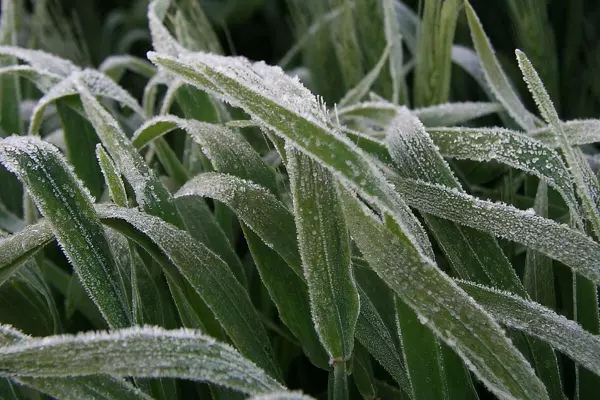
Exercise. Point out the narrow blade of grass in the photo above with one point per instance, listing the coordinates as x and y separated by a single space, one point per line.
61 197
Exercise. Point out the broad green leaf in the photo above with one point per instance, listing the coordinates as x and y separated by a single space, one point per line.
586 184
61 197
284 106
471 253
536 320
449 114
511 148
256 207
115 184
362 88
451 314
18 248
179 353
205 271
324 246
495 76
557 241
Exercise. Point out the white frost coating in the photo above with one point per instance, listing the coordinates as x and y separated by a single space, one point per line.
557 241
43 80
454 113
138 351
511 148
578 131
586 184
283 104
96 82
41 60
162 40
534 319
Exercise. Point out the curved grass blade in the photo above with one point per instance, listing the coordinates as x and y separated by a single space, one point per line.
511 148
282 396
115 184
116 66
284 106
42 79
586 184
325 250
256 207
578 131
557 241
536 320
227 150
150 193
495 77
471 253
452 315
18 248
362 88
68 207
205 271
94 81
140 352
41 60
94 388
449 114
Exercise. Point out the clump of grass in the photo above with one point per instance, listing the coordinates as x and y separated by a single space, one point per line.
225 233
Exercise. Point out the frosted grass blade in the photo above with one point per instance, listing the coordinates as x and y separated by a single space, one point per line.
115 184
41 60
116 66
283 105
61 197
449 114
511 148
282 396
256 207
324 246
558 241
495 76
206 272
18 248
451 314
471 253
93 388
578 131
586 184
536 320
141 352
43 80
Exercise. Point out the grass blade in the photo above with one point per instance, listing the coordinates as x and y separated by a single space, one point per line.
495 77
206 272
449 114
586 183
179 353
557 241
452 315
68 207
532 318
325 249
18 248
